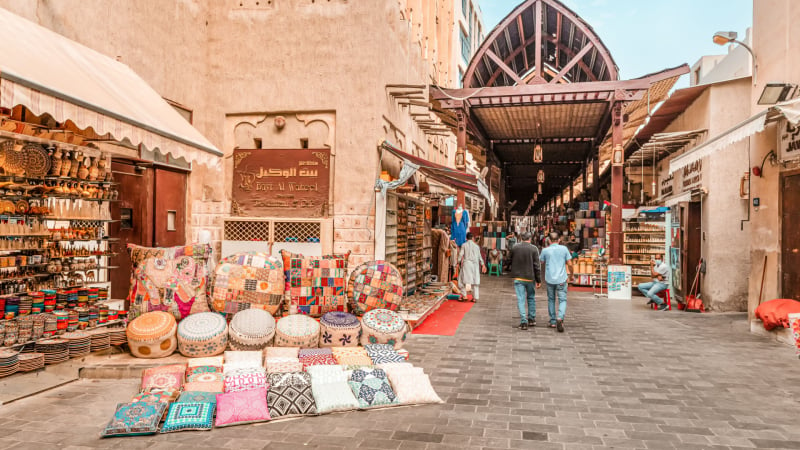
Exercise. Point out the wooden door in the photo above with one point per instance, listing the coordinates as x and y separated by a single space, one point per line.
169 208
691 246
134 214
790 237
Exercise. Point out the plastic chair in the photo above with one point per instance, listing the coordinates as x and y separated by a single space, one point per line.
495 269
666 297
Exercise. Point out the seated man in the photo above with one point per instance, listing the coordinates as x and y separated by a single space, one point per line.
660 272
495 258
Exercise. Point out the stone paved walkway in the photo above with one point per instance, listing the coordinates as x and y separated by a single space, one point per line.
621 376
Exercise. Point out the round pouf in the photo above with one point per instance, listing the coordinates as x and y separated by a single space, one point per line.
374 285
381 326
202 334
251 329
339 329
152 335
297 330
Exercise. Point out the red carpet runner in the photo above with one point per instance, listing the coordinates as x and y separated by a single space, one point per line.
445 320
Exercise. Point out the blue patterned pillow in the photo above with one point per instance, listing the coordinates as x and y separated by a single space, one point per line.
371 388
198 397
135 419
189 416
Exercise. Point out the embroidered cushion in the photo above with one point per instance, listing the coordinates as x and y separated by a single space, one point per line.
351 356
414 389
278 365
333 396
374 285
197 397
205 377
245 379
205 386
189 416
297 331
381 326
135 419
317 360
252 329
198 373
215 361
338 328
316 285
242 359
163 397
289 379
282 352
242 407
202 334
322 374
163 378
152 335
249 280
172 279
383 354
288 401
371 387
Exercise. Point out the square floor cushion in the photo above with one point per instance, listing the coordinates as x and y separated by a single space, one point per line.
163 397
243 359
372 389
245 379
167 378
327 374
214 361
171 279
135 419
282 352
351 356
189 416
290 394
414 389
280 365
333 396
236 408
198 397
205 386
316 285
204 373
383 354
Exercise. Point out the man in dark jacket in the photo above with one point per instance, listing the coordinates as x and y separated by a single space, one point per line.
527 275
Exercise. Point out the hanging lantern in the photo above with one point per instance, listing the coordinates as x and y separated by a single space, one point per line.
537 154
540 188
540 176
617 156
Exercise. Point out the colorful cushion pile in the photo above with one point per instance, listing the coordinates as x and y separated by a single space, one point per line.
172 279
339 329
290 395
249 280
381 326
283 359
297 330
202 334
383 354
374 285
371 387
152 335
316 285
351 356
316 357
251 329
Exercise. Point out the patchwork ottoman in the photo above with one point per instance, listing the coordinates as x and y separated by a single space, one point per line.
202 334
152 335
374 285
249 280
297 330
381 326
251 329
339 329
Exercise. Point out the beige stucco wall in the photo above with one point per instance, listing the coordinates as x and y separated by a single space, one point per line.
228 60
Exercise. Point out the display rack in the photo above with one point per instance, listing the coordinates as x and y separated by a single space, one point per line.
408 239
643 240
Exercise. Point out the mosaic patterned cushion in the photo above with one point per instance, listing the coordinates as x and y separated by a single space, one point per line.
288 401
206 377
317 360
242 407
197 397
172 279
215 361
163 378
289 379
282 352
251 329
202 334
383 354
374 285
322 374
339 329
192 373
415 389
249 280
205 386
297 330
347 356
278 365
135 419
242 359
152 335
381 326
316 285
155 397
371 387
245 379
189 416
333 396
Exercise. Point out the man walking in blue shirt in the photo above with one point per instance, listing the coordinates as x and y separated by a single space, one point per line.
557 260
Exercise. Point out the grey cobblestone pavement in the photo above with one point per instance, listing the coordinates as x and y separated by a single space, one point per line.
621 376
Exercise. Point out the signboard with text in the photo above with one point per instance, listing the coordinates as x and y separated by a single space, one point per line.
281 183
788 141
619 282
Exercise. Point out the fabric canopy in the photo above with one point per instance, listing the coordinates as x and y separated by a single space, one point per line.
48 73
755 124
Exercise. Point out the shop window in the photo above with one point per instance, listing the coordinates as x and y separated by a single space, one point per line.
465 47
304 143
246 230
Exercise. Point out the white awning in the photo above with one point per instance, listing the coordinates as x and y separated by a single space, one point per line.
48 73
745 129
680 198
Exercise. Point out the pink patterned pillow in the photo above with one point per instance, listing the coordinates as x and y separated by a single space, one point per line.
238 408
278 365
318 360
245 380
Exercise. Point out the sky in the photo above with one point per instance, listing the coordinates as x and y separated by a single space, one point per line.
646 36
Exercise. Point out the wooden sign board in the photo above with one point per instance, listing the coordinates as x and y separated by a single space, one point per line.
281 183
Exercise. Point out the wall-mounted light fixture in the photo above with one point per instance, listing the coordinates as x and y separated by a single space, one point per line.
758 171
618 156
776 93
727 37
538 157
540 176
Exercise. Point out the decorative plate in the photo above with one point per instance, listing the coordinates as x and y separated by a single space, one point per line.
15 160
3 146
22 206
37 161
7 207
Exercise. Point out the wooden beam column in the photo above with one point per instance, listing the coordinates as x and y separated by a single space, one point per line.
617 181
596 176
571 192
585 178
461 151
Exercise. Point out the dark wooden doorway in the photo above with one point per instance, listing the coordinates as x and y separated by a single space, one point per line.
151 212
790 236
691 246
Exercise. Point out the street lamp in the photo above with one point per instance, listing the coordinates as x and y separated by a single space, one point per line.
727 37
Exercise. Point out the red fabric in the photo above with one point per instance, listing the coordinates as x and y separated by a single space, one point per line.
445 320
775 313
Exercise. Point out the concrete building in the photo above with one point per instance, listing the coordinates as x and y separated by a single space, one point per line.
287 74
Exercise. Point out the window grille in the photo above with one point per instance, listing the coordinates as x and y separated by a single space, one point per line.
297 231
245 230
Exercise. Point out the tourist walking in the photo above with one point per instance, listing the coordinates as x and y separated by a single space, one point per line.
526 270
558 261
472 264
